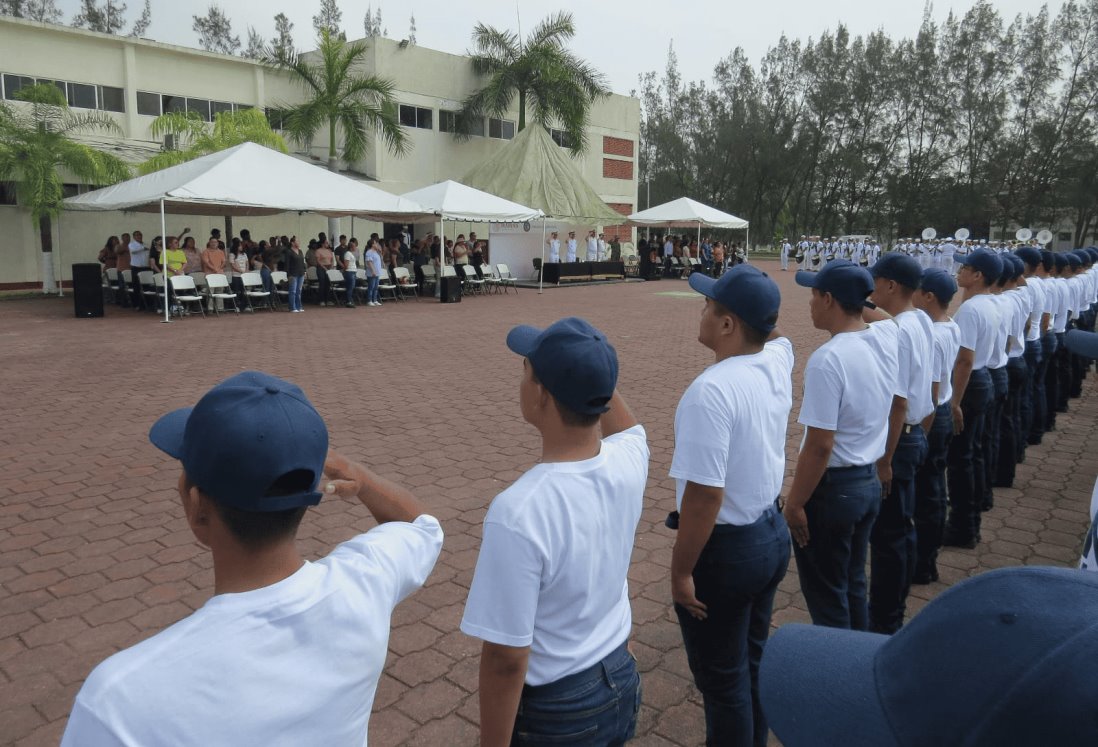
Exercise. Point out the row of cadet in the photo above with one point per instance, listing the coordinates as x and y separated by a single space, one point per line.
549 597
813 252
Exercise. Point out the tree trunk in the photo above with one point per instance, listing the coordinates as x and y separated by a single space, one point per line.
522 110
333 166
45 234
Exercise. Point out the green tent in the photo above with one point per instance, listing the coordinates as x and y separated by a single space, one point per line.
532 170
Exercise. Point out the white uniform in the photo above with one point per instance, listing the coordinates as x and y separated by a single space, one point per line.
947 343
786 249
554 558
295 662
554 250
571 250
592 250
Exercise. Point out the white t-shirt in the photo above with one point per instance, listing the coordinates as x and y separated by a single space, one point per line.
352 262
668 249
554 559
373 263
978 320
293 663
1001 332
916 348
947 343
1039 306
1019 307
849 383
730 429
1060 304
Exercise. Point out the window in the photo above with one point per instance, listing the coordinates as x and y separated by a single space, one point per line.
447 121
216 107
59 83
82 96
240 107
1065 236
70 190
12 83
202 106
148 103
416 116
503 129
112 99
561 138
7 193
277 118
172 103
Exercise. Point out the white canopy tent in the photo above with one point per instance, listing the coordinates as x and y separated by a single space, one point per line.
248 180
454 201
687 213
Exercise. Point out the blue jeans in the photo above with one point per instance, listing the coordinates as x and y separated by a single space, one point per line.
1000 382
296 284
268 284
1040 389
965 474
930 493
1033 388
1010 424
349 278
372 295
736 576
596 706
892 549
831 568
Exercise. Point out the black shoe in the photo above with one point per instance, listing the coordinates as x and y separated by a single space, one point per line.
922 578
954 540
349 305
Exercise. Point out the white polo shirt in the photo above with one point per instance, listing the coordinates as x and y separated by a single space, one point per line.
978 320
1005 309
554 558
947 343
849 383
1061 304
296 662
730 429
916 362
1039 306
1019 308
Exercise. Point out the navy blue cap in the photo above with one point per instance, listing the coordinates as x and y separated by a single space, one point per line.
1048 259
1074 260
1003 658
571 359
940 283
986 262
1060 260
846 281
242 436
746 291
1029 255
1012 268
899 267
1093 252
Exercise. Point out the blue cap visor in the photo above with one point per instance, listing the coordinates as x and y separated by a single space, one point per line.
702 284
523 339
167 432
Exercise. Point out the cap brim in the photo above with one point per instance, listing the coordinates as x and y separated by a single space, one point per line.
806 278
522 339
817 686
702 284
167 432
1082 343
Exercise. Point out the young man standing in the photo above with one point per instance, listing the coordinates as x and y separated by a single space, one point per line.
592 246
554 248
933 297
732 548
550 595
1033 399
978 320
571 247
266 659
849 384
892 557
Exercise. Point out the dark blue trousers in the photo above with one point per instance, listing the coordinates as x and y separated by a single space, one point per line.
1000 381
1010 424
1043 414
965 475
735 577
1030 392
892 541
930 493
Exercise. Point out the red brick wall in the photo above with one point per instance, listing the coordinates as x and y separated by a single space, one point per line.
615 169
616 146
623 232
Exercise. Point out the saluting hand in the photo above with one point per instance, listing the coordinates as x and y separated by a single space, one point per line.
682 592
797 520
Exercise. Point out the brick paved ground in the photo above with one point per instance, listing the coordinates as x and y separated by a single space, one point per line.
95 554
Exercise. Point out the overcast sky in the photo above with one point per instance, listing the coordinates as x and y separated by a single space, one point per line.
622 38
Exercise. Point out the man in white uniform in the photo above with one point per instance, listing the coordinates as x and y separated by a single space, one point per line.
836 492
787 249
729 462
287 651
592 246
554 247
571 251
604 249
550 596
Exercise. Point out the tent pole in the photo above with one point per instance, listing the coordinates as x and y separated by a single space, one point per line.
60 271
747 245
699 239
164 260
541 272
441 255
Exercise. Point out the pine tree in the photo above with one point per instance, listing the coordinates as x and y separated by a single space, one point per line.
372 22
215 32
36 10
141 25
108 18
14 8
329 18
412 31
282 46
256 44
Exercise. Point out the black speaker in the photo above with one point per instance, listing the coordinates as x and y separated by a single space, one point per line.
450 290
87 290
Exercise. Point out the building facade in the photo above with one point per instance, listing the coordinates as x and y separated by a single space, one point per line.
135 80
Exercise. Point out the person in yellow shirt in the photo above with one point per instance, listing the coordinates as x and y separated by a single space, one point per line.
174 258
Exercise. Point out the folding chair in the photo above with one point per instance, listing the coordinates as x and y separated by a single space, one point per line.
185 292
110 284
336 287
158 290
311 286
218 289
149 287
488 275
430 278
506 279
405 284
386 285
474 283
253 288
125 287
281 282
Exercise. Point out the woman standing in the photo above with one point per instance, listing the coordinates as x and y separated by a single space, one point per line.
374 268
349 265
295 271
238 265
108 255
194 259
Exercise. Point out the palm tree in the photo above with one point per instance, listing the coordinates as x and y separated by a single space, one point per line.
552 84
192 138
36 144
347 103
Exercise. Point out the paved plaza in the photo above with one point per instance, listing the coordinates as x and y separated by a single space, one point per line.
95 554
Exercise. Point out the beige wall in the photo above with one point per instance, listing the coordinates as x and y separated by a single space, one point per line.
421 76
